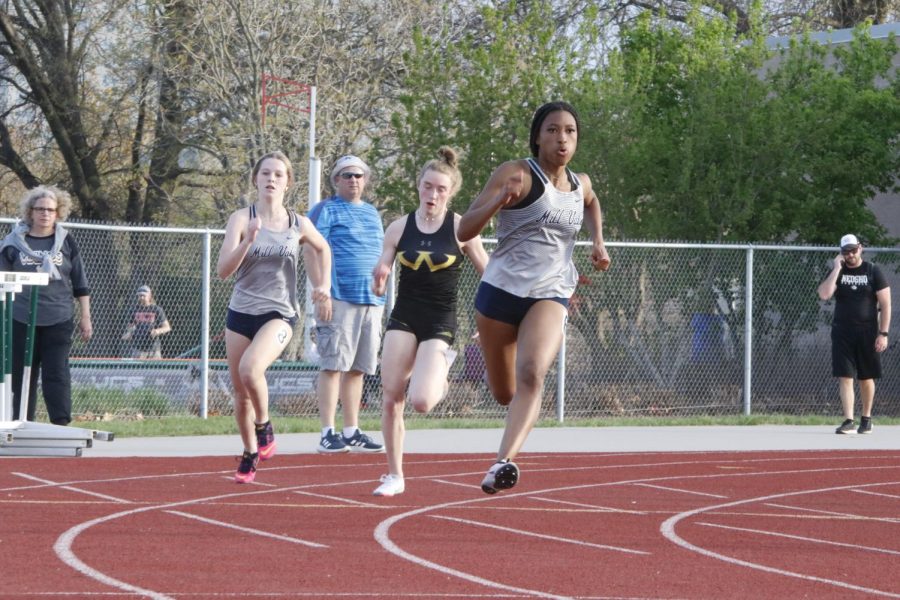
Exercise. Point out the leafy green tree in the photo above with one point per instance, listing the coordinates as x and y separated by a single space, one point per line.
705 136
477 92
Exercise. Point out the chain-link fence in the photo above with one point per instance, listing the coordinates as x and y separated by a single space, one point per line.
664 332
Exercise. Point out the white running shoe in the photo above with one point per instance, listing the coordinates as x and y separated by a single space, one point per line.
391 485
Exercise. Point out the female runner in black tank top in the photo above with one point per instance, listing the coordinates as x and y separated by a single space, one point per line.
422 325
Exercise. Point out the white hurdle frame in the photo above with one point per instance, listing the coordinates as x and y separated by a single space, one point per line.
21 437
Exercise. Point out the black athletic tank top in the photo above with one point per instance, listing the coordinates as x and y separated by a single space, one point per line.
429 265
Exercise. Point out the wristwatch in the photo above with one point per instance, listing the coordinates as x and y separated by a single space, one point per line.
883 333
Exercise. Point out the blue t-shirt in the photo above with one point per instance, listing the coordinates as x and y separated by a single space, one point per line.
355 234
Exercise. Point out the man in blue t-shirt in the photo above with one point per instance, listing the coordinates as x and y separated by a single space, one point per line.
348 344
859 332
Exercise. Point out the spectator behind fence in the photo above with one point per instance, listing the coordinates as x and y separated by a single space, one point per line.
420 331
39 243
262 250
521 303
858 333
348 343
148 323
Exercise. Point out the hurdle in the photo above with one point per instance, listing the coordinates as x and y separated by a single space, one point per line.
21 437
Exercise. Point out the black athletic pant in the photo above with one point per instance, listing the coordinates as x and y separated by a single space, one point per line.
51 358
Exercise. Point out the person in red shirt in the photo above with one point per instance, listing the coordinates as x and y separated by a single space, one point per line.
148 323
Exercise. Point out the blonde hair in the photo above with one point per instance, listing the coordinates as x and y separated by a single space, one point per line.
279 156
447 163
63 202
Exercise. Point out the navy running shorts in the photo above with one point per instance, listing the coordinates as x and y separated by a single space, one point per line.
497 304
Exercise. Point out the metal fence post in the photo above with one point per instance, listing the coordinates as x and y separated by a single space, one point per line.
561 381
204 326
748 332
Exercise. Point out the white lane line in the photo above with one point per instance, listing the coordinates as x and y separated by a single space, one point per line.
64 543
456 483
671 489
259 483
259 532
63 549
607 509
226 473
834 513
67 556
74 489
115 480
802 538
883 495
381 532
667 529
539 535
339 499
383 537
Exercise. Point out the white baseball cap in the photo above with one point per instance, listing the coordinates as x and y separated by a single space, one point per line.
849 242
348 161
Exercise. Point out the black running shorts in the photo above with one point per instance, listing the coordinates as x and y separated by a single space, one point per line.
853 352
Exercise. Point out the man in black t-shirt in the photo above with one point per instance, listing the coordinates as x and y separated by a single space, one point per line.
859 333
147 322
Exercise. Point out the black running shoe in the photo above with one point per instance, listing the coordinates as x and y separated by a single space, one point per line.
847 427
501 476
865 426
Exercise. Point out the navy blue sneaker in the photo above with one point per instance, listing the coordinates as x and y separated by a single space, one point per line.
360 442
331 443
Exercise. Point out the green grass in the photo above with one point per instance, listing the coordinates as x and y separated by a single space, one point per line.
178 426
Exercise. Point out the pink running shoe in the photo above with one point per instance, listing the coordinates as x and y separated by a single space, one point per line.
265 439
246 471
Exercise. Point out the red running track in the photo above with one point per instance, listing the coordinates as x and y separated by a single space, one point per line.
818 524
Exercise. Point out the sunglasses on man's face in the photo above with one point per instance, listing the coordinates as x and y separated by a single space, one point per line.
352 175
850 251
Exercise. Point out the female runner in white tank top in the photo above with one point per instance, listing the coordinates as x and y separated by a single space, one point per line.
523 297
261 249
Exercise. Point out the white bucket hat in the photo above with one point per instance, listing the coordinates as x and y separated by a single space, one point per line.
348 161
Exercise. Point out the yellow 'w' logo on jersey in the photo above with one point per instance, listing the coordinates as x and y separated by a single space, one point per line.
425 257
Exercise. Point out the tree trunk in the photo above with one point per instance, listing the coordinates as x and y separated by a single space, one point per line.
170 118
134 208
10 159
